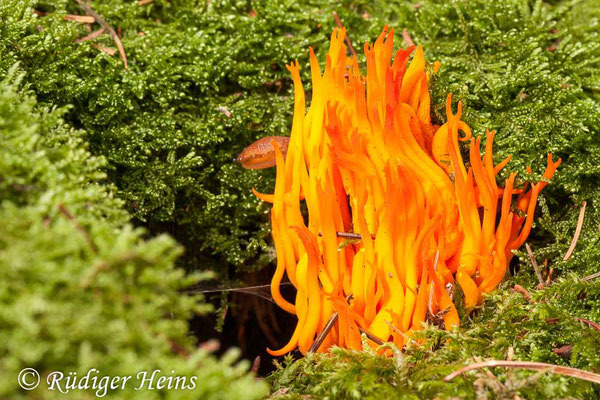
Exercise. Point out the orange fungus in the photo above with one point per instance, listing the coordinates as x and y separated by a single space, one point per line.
366 158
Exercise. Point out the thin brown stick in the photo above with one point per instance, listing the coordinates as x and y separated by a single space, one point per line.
550 272
85 19
407 38
210 346
107 50
491 375
106 26
535 265
371 337
326 329
88 238
589 323
319 340
179 349
564 351
398 331
530 365
91 36
577 232
523 291
349 235
339 23
144 2
590 277
255 365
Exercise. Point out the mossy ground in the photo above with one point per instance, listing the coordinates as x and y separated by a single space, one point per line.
160 148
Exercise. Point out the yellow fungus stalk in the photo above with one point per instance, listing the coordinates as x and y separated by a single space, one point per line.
365 158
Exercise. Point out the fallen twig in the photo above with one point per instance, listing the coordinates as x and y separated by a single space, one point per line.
224 111
107 50
589 323
398 331
491 375
179 349
550 272
328 326
339 22
255 365
106 26
577 232
590 277
564 351
91 36
319 340
210 346
523 291
85 19
407 38
530 365
349 235
371 337
535 266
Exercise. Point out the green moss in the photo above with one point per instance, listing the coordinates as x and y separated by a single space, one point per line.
81 288
505 323
169 148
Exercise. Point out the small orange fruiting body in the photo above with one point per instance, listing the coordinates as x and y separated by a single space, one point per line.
261 153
